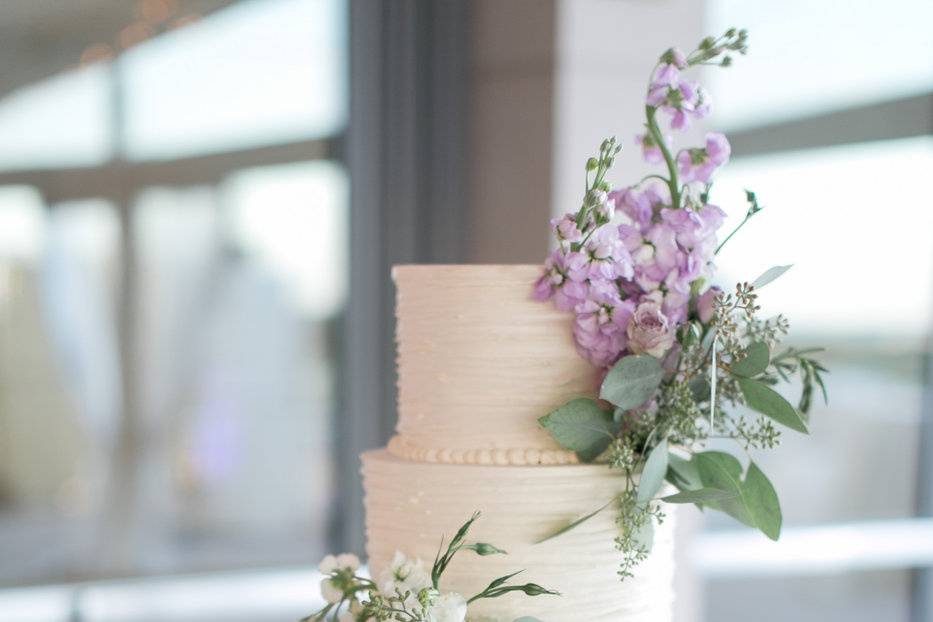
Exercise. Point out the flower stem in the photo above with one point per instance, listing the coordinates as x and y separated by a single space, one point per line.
734 231
673 183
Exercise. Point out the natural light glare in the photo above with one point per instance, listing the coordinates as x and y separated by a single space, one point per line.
62 121
808 56
294 218
22 223
831 213
254 73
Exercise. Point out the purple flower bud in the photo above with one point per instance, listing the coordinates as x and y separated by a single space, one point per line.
706 304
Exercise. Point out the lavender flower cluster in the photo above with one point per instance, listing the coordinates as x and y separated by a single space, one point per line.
630 262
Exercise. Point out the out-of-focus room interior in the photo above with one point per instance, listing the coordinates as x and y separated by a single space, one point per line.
200 201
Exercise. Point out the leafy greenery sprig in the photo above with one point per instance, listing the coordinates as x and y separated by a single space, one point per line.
660 419
362 600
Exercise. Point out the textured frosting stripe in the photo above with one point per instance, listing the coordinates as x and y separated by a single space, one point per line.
409 505
479 362
400 447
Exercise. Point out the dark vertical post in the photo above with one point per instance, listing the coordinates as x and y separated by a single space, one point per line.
405 151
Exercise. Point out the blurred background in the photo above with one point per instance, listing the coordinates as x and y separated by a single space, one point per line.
200 201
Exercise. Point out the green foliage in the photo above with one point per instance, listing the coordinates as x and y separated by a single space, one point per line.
767 401
632 381
575 523
652 476
811 373
483 549
751 500
757 357
770 275
372 604
699 496
635 521
582 426
762 502
442 560
498 588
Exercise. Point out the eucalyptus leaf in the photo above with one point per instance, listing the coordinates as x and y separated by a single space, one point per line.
580 425
762 502
767 401
683 473
724 472
652 476
632 381
700 496
769 275
574 524
757 357
699 388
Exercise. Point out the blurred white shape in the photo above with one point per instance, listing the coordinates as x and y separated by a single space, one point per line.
281 594
254 73
61 121
37 604
294 219
811 57
855 223
22 223
847 547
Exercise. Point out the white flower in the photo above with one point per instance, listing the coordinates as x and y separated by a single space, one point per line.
448 607
328 564
331 592
348 560
346 616
405 575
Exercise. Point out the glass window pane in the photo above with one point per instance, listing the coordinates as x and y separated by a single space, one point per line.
254 73
59 385
35 134
853 597
816 56
293 219
238 368
825 213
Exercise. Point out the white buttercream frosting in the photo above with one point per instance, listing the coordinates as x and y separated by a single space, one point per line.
410 505
479 361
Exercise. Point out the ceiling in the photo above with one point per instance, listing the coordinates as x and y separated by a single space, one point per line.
39 38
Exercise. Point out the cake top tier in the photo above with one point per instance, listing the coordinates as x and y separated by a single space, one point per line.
479 361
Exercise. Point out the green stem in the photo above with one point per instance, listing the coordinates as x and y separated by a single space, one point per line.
647 177
734 231
673 183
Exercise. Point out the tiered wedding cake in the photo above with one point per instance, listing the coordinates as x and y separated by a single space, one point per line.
479 362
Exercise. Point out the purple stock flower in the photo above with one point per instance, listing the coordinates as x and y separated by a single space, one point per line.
650 150
700 164
566 228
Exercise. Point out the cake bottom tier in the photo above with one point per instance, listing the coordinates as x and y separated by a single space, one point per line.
410 505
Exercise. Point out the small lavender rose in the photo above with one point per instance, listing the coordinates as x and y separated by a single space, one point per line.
706 304
650 331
